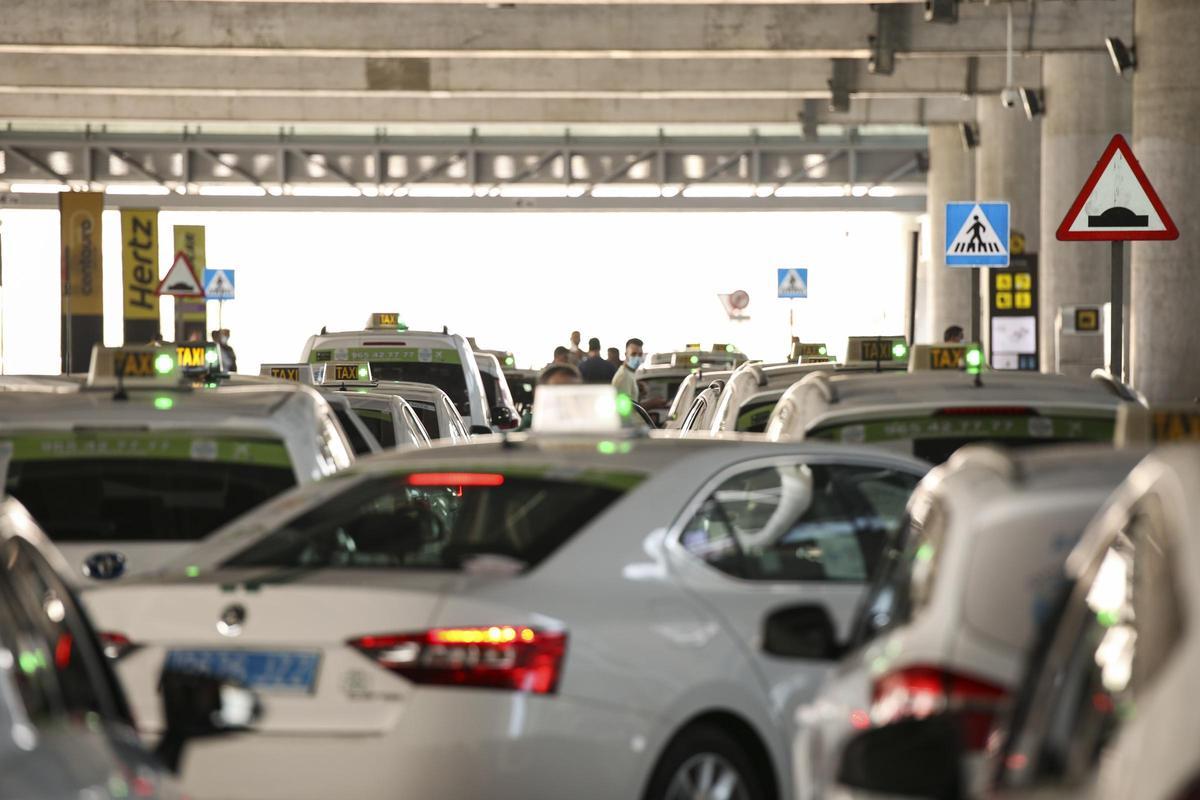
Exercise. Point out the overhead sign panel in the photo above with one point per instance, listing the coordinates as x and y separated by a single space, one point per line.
793 283
1117 203
977 234
180 280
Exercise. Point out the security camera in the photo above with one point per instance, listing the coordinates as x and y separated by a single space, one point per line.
970 140
1123 58
1032 100
1010 98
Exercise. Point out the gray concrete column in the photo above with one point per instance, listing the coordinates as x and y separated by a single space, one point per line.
1165 314
1087 102
944 294
1008 167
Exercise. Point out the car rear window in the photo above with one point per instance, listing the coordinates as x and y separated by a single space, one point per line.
439 520
753 416
429 418
381 425
935 438
84 487
357 441
450 378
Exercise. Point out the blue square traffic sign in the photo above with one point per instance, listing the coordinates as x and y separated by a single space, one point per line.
793 283
977 234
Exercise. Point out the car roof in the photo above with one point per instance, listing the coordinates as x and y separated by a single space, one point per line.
323 340
204 406
859 391
1048 468
651 453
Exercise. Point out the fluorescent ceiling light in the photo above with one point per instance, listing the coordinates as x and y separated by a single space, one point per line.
39 188
815 190
719 190
860 191
136 189
540 190
625 190
233 190
325 191
882 191
444 190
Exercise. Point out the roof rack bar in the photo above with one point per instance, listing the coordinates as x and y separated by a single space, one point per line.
820 379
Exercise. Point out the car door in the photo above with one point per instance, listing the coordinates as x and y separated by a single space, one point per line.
774 538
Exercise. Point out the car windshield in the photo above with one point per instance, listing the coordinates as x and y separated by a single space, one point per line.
439 520
450 378
491 388
143 487
381 425
936 437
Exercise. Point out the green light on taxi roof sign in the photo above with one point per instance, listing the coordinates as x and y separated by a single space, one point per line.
624 404
729 348
695 359
163 363
164 403
210 356
362 373
606 447
822 350
509 361
899 351
192 571
973 359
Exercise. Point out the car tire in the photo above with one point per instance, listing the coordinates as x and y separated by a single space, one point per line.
705 763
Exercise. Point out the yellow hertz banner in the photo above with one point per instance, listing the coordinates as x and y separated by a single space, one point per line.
191 314
139 264
83 277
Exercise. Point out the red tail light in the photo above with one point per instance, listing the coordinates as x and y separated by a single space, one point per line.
923 691
455 479
116 645
496 657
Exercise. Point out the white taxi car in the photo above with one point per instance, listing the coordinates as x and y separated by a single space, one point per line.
931 413
397 354
951 617
589 615
694 383
504 415
123 475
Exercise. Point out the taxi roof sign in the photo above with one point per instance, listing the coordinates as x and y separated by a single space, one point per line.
877 350
926 357
578 408
132 366
808 352
1137 424
295 373
339 372
386 321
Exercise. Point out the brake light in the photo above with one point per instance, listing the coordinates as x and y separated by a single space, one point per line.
116 645
986 411
453 479
494 657
62 651
510 425
923 691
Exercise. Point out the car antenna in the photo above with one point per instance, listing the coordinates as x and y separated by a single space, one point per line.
445 330
120 393
323 331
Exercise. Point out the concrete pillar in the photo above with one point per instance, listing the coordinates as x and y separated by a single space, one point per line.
944 294
1087 102
1165 320
1008 167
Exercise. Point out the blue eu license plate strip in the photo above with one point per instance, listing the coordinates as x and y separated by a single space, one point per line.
268 670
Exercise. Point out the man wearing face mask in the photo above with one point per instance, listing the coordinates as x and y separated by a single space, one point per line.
228 357
626 378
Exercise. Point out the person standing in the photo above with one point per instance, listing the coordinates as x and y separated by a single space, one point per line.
575 355
594 368
953 335
228 357
561 356
614 358
626 377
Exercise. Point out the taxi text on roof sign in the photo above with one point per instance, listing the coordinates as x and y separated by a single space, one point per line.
385 320
192 356
1162 425
286 373
296 373
946 357
877 349
132 366
339 373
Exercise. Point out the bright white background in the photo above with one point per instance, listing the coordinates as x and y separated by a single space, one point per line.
518 281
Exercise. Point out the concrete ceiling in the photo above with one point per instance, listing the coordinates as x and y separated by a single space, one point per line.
390 62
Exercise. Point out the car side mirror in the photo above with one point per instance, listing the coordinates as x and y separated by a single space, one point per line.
803 631
197 706
910 758
504 418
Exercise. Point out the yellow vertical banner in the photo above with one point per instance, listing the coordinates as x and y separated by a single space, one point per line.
191 315
82 277
139 273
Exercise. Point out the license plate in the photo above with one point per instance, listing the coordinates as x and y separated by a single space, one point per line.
268 670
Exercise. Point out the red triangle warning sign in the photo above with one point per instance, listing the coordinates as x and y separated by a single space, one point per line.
1117 203
180 280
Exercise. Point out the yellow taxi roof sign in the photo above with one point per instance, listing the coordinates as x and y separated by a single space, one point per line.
295 373
196 357
386 321
338 372
1159 425
134 365
925 357
877 349
808 352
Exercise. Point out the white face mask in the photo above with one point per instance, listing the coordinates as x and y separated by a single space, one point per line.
634 361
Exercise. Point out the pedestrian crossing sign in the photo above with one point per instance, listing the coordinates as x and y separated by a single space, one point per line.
977 234
218 284
793 283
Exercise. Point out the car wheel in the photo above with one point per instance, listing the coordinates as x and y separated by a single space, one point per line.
705 763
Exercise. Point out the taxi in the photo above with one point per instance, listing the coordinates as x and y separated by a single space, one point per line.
362 441
398 354
752 392
663 373
947 399
583 611
137 464
67 726
951 617
505 416
690 387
